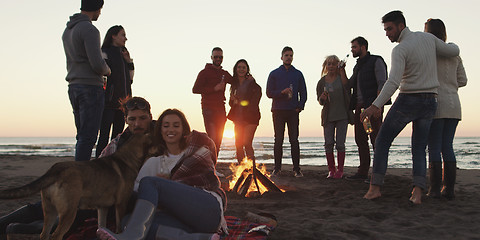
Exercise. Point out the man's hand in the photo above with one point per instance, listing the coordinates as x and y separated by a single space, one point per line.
287 91
371 111
220 86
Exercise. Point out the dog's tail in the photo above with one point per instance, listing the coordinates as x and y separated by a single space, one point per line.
34 187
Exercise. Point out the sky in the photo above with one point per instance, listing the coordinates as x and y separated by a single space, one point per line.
171 41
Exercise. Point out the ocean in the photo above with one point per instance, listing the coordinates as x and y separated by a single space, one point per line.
467 150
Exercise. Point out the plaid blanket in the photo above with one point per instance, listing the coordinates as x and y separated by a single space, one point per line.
238 229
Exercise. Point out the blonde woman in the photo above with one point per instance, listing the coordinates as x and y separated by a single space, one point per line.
333 96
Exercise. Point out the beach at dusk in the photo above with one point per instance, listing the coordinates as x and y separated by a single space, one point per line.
314 207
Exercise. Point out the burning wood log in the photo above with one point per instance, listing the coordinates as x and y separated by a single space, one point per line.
265 181
240 181
246 185
249 181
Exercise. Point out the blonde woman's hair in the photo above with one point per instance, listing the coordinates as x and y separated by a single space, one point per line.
330 58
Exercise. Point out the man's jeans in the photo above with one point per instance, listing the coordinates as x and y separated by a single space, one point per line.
291 118
214 120
440 140
87 103
418 108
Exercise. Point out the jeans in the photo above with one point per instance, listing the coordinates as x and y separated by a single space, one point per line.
244 134
87 102
418 108
291 118
440 140
361 139
338 139
109 117
182 206
214 121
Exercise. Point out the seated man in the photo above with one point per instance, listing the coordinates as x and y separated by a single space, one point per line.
29 218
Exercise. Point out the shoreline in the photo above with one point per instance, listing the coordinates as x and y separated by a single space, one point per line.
314 207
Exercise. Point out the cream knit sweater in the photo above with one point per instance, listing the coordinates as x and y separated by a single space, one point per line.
414 64
451 76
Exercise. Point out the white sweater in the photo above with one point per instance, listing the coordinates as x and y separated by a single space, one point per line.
451 76
414 64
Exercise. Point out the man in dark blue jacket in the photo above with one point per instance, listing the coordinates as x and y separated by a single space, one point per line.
287 89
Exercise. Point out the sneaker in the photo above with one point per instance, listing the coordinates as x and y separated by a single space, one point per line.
357 177
275 173
298 173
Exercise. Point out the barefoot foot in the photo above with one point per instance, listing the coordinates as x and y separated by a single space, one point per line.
373 192
416 197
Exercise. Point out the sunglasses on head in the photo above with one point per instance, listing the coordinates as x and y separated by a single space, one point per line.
132 105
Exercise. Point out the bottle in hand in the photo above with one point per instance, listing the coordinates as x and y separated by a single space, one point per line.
367 125
290 94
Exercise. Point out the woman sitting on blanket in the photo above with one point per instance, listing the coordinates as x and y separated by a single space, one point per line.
184 200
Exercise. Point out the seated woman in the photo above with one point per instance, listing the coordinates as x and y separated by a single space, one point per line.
181 183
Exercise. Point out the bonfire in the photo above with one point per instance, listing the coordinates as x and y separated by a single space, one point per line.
250 179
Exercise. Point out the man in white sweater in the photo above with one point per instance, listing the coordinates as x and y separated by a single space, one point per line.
414 72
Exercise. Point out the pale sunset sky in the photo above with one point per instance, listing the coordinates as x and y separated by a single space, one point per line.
170 42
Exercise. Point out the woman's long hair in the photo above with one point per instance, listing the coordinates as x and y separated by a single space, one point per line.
437 28
158 128
235 82
108 40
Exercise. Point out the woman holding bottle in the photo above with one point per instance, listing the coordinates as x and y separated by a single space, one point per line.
245 96
118 85
451 76
333 96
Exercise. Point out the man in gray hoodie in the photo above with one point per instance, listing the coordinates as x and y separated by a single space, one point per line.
86 68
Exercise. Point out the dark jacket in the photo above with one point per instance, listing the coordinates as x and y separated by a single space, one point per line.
246 110
364 73
206 81
119 83
282 78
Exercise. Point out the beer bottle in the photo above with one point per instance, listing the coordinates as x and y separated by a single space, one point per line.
367 125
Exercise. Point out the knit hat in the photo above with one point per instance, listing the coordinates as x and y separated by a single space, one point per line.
91 5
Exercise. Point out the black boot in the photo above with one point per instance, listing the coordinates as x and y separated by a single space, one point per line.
25 214
449 177
435 171
25 228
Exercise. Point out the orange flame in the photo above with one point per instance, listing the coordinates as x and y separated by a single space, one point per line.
239 169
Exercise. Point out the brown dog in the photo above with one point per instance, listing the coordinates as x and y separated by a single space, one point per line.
99 184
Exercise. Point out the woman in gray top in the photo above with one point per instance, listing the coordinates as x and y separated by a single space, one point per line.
332 95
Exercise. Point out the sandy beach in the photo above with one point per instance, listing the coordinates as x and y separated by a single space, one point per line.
314 207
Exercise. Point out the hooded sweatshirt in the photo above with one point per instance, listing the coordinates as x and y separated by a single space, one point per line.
205 84
81 41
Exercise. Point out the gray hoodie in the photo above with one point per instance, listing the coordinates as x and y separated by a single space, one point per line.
81 41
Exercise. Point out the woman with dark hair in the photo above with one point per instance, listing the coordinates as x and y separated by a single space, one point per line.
245 96
451 76
179 195
118 84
